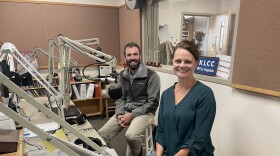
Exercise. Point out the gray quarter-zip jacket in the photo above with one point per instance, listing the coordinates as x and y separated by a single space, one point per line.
141 95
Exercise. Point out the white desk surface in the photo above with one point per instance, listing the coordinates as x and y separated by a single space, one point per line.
39 118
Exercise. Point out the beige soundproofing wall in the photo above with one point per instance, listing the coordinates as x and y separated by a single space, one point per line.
28 25
130 28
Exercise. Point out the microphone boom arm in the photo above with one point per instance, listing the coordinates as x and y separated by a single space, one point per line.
80 47
45 136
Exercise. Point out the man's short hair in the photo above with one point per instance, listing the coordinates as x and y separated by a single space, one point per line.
130 45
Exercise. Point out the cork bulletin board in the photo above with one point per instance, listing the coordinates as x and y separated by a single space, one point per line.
257 55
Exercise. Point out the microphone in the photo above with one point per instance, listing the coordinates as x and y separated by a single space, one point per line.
106 79
26 79
115 91
5 69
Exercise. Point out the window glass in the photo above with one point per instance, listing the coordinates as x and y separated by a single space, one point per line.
211 23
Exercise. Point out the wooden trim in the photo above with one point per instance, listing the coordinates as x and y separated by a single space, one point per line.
59 3
121 6
81 66
257 90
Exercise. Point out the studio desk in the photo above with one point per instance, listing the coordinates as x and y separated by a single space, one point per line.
40 118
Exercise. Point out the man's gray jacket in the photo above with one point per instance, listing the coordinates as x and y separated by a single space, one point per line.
142 95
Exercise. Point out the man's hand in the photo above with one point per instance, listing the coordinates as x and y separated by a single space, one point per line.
119 117
125 119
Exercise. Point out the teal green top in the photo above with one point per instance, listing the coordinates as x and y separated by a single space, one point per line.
187 124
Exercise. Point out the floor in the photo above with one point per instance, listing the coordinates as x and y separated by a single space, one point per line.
118 143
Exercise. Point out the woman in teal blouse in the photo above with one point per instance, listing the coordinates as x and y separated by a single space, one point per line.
187 109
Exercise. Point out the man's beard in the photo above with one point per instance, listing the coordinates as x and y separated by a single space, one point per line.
133 66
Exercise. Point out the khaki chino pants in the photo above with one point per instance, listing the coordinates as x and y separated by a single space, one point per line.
132 135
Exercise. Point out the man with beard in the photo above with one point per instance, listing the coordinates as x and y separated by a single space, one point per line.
140 98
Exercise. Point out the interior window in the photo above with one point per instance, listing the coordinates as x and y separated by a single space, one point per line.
211 24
